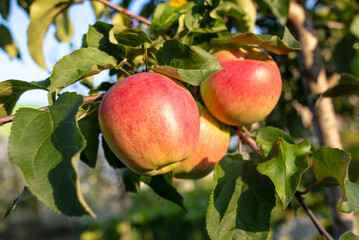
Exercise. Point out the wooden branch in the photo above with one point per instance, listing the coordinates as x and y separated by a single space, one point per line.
125 11
87 99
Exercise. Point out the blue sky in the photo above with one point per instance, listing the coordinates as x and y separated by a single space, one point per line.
25 69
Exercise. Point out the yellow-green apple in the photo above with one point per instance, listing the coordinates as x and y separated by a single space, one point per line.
212 146
150 122
248 89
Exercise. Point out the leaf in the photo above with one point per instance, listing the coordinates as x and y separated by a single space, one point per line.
182 62
350 202
7 43
163 186
240 204
42 14
111 157
90 129
64 27
266 136
4 8
25 4
165 16
46 146
354 26
349 236
330 166
99 9
131 181
98 36
25 194
285 166
355 63
280 9
347 85
131 37
78 65
10 91
268 42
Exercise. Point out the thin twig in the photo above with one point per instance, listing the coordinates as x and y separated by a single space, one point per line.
87 99
310 187
254 148
125 11
316 222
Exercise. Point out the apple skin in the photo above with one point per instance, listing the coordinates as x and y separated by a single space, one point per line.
150 122
248 89
212 146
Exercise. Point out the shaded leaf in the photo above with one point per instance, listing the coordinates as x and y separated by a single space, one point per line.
131 37
349 236
163 186
355 63
266 136
111 158
42 14
268 42
90 129
10 91
79 64
330 166
182 62
46 145
240 205
25 194
7 43
4 8
347 85
280 9
64 27
285 166
351 201
131 181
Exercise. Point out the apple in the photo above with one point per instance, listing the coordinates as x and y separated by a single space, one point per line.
212 146
248 89
150 122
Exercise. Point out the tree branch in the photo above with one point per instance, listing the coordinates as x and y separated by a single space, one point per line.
125 11
87 99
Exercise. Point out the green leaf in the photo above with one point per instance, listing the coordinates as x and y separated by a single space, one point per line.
25 194
355 63
99 9
266 136
347 85
98 36
131 181
111 157
163 186
7 43
10 91
349 236
350 202
165 16
130 37
240 204
182 62
90 129
46 146
330 166
78 65
42 14
64 27
25 4
280 9
268 42
4 8
285 166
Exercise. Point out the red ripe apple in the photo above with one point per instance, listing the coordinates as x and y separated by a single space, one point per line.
212 146
248 89
150 122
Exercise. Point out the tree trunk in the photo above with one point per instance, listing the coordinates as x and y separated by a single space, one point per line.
314 80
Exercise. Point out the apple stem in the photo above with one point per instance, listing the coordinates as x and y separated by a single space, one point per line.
87 99
297 194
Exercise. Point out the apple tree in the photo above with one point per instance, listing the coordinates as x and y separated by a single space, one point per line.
190 74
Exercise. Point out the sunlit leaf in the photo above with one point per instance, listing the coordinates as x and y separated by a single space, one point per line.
10 91
46 146
182 62
240 205
64 27
285 166
349 236
268 42
354 26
